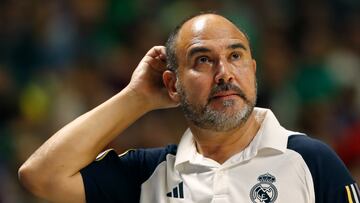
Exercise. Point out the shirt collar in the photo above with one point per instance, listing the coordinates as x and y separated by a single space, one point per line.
271 137
186 149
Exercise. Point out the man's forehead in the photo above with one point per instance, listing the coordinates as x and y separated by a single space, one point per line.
208 27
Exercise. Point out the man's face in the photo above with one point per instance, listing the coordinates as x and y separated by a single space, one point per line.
216 74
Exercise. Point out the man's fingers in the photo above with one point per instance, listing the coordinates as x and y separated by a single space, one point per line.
155 63
162 62
156 58
157 51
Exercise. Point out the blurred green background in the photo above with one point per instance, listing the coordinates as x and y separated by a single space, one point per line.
60 58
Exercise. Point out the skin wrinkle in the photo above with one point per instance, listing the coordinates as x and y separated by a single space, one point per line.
195 50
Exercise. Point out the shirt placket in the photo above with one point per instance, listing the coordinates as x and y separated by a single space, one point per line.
220 185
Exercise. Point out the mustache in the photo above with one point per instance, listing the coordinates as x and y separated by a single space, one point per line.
226 87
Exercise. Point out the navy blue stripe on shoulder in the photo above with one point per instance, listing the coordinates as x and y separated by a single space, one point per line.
329 174
114 178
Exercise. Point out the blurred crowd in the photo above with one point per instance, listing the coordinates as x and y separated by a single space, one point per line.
60 58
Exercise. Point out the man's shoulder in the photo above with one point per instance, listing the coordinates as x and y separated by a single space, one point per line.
307 146
328 172
146 159
314 152
151 157
111 175
159 151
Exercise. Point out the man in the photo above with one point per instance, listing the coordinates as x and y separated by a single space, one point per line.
232 152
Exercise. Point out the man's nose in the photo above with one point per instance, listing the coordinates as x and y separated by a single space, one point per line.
223 72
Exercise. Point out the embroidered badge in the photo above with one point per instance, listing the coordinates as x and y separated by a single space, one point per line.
264 191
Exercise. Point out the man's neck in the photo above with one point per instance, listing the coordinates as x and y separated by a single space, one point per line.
220 146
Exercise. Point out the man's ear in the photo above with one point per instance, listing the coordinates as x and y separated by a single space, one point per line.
254 65
169 80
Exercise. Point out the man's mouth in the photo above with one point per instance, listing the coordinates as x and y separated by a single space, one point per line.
225 94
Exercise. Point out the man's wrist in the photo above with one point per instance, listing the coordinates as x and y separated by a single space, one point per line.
139 101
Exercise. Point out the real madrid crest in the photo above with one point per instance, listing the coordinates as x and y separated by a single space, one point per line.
264 191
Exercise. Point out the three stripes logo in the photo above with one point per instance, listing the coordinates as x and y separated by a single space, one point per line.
353 193
177 191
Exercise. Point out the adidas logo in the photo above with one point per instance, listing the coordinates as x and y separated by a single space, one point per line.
177 192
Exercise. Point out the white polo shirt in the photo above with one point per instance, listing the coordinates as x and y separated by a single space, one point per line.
277 166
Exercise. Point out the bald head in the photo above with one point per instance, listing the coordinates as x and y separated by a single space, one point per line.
215 26
204 26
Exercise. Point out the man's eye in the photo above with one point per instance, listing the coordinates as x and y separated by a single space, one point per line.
203 59
235 56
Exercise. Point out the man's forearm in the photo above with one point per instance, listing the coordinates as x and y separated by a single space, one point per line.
53 171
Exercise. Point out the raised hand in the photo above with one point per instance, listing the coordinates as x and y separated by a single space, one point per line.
53 171
146 80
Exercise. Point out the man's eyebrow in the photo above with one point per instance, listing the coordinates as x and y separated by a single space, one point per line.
195 50
236 46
